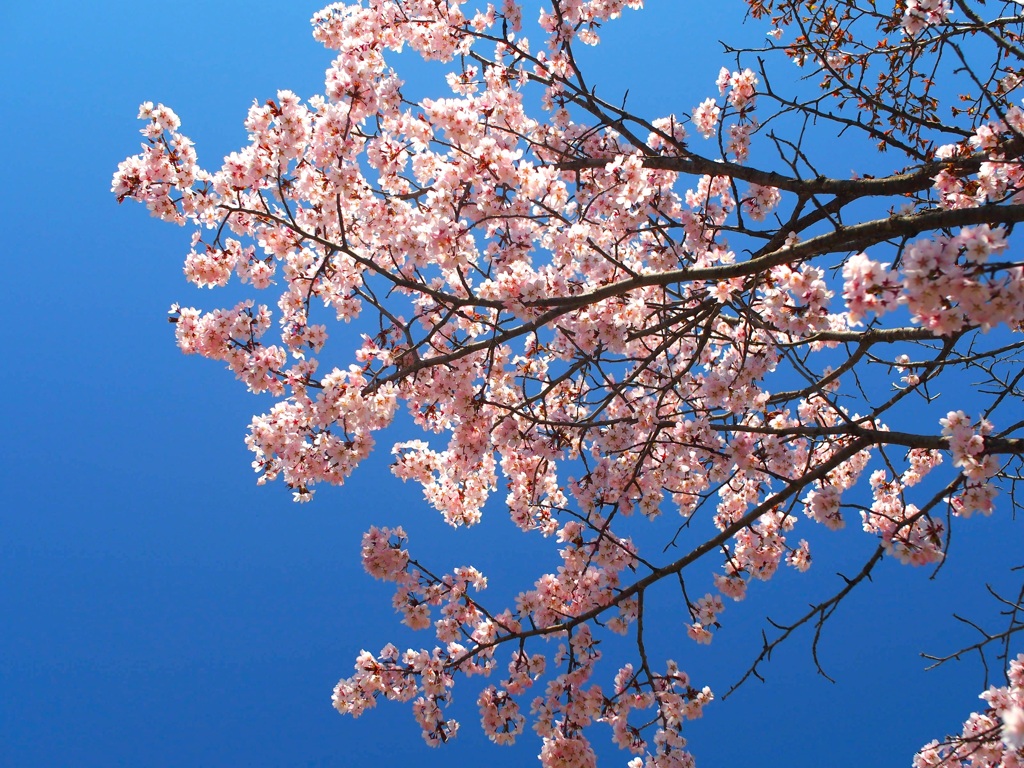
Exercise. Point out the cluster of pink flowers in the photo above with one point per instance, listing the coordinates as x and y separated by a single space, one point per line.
400 677
908 534
309 440
677 701
967 444
868 287
382 553
948 286
740 87
796 300
233 336
918 15
581 19
993 738
560 306
166 168
996 178
945 283
760 201
705 117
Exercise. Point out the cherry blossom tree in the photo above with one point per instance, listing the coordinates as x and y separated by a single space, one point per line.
608 319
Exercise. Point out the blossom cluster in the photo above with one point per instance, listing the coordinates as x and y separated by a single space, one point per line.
945 281
583 316
967 444
949 286
918 15
868 287
993 738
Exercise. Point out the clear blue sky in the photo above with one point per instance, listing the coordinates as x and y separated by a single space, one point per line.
159 609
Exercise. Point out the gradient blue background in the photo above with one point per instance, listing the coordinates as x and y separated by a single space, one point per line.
159 609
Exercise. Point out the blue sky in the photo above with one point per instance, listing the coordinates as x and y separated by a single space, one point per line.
160 609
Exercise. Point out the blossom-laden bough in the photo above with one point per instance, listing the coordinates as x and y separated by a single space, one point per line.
619 318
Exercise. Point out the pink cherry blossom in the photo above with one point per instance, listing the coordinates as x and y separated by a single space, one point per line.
600 325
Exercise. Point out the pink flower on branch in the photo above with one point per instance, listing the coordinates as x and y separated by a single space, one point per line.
606 326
